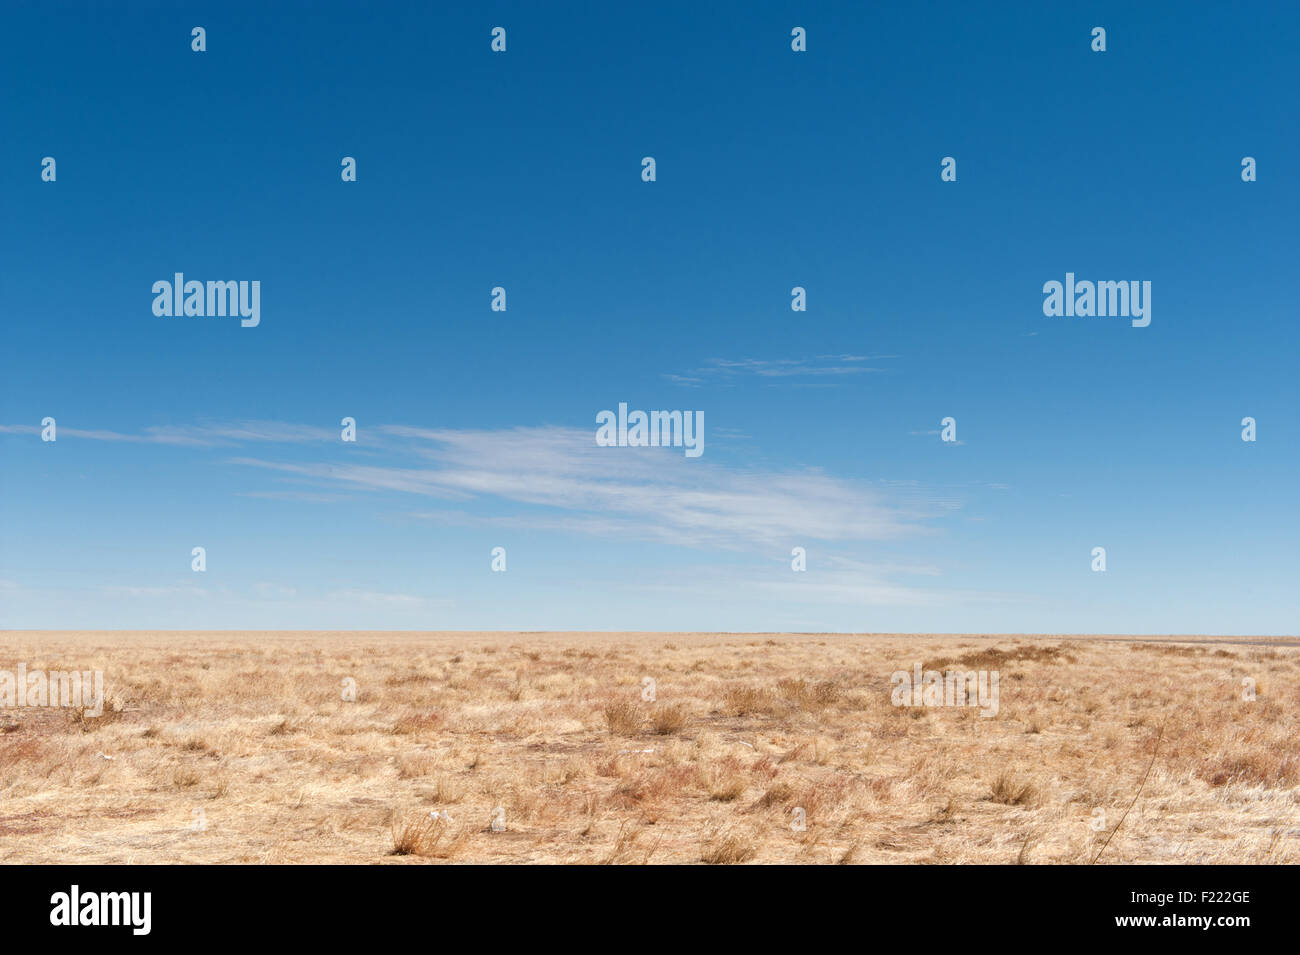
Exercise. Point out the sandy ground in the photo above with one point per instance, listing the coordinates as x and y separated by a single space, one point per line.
552 747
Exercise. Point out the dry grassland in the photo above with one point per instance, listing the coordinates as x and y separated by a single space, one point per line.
239 748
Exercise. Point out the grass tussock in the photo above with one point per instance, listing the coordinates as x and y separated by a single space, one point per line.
429 837
623 717
729 846
420 722
744 700
1011 792
668 720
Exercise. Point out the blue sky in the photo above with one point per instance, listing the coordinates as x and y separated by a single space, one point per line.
775 169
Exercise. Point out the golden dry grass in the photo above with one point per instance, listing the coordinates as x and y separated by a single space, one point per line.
513 747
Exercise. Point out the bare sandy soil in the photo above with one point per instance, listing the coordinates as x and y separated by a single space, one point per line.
552 747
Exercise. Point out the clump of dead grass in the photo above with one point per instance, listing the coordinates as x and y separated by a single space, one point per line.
728 846
670 719
623 717
744 700
1009 791
428 836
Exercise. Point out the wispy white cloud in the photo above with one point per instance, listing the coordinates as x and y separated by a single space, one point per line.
819 366
557 479
209 435
932 433
273 591
392 600
123 591
243 432
829 580
308 497
641 493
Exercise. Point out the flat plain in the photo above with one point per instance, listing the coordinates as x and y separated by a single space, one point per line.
243 747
